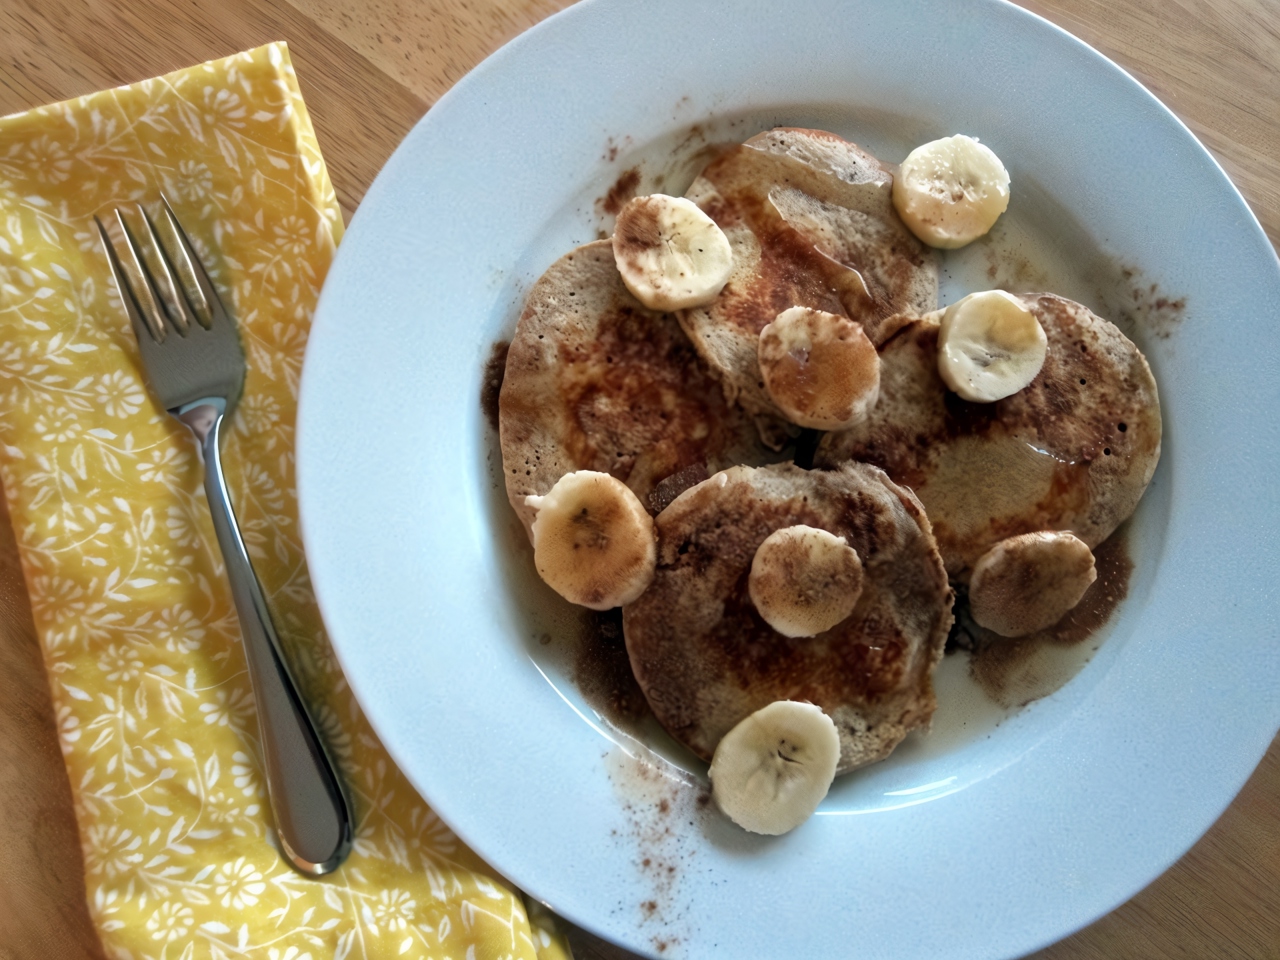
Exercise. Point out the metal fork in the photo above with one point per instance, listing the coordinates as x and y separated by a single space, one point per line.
195 367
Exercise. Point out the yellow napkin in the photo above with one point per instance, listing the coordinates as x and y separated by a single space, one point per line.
139 632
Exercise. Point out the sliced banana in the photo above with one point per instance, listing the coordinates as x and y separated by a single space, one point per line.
990 346
593 542
770 772
951 191
819 368
804 580
1030 582
671 255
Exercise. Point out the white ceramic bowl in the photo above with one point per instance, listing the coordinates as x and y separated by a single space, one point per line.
978 841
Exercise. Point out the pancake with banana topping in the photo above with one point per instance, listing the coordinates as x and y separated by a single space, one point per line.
1074 450
706 658
594 381
811 222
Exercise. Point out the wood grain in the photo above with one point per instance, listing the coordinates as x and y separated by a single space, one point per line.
369 70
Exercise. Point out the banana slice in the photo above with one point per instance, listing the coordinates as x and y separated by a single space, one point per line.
593 542
671 255
804 581
820 369
1030 582
770 772
990 346
951 191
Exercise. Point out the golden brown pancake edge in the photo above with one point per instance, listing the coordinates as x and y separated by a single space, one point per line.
704 657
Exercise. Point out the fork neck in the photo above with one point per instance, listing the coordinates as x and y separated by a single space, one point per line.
202 416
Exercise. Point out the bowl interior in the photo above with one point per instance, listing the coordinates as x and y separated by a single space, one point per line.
1038 245
1017 828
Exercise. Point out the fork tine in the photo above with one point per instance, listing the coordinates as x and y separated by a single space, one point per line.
157 315
188 260
140 323
187 313
216 312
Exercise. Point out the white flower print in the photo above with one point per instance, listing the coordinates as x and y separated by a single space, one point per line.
221 808
120 663
171 921
178 629
58 426
167 467
222 108
195 181
434 838
119 394
110 851
63 612
160 557
238 885
393 911
229 709
290 340
293 236
257 414
49 159
55 600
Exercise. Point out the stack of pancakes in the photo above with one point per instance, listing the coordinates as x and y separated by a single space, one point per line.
674 406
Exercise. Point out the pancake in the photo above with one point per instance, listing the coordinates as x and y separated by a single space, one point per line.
594 381
1074 450
704 657
811 222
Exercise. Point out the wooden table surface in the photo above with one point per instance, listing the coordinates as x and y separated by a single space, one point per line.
369 69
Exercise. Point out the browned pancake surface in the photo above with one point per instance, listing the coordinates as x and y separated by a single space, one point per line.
704 657
594 381
811 222
1074 450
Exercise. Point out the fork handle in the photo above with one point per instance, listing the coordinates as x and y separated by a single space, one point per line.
312 818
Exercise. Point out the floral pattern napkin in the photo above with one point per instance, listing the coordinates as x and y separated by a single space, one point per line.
139 633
